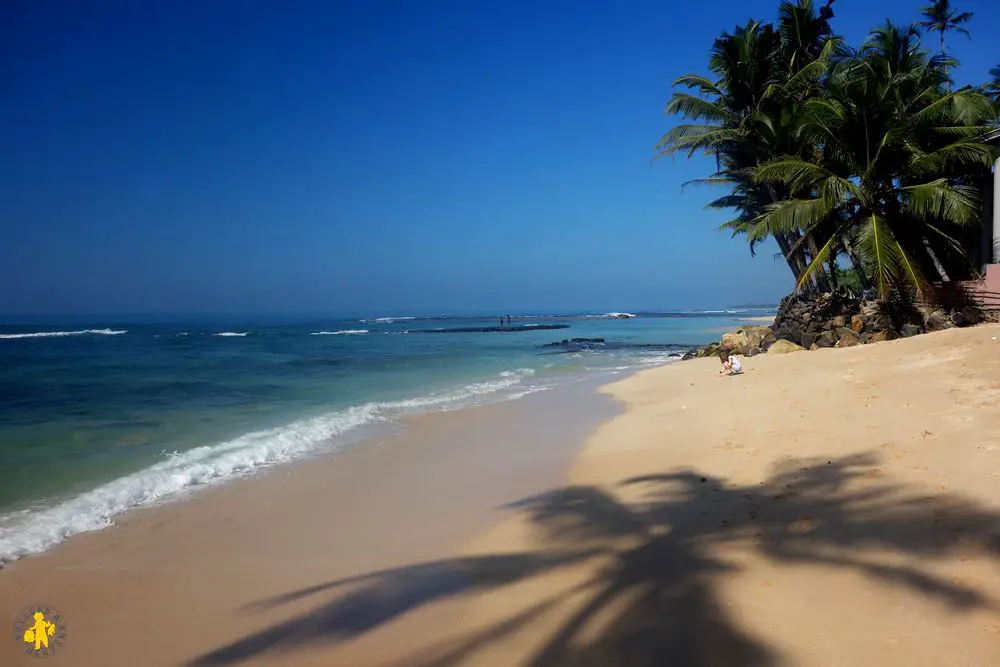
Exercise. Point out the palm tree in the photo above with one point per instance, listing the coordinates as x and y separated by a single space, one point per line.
993 87
891 148
747 110
939 17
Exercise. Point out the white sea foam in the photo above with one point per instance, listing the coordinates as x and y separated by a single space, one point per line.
59 334
387 320
33 530
342 332
230 334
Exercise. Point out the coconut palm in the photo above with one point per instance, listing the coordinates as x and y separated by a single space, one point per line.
993 87
746 112
941 18
891 148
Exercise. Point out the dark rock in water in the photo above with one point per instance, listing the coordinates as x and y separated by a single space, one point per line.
908 330
574 341
513 329
585 344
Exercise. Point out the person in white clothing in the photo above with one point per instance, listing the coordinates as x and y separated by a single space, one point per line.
730 364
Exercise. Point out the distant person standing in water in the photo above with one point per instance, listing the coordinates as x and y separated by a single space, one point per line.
501 323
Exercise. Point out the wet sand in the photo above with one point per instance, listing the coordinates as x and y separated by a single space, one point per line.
170 583
837 507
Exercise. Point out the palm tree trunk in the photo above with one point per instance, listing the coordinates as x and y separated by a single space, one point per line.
785 247
797 253
822 277
937 263
856 263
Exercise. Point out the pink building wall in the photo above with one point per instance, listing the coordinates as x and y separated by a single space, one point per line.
987 289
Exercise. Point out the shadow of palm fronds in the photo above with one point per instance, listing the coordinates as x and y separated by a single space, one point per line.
654 565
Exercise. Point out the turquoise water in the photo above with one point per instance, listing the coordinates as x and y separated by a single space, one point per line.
100 417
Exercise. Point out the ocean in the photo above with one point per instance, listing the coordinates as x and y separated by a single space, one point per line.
99 417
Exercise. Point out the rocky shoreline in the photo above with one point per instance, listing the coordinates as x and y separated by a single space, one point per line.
810 322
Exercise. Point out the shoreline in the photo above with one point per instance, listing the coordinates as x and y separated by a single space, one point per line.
762 320
824 508
419 493
756 539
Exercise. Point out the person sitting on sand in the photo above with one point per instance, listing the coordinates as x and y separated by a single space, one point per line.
730 364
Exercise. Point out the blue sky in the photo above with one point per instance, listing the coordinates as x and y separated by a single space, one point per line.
370 155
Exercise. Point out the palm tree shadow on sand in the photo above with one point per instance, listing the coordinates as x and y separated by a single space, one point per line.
656 568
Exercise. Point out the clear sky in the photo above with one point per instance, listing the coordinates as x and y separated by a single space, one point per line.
379 156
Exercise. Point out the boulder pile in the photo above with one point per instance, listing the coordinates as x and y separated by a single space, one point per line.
809 322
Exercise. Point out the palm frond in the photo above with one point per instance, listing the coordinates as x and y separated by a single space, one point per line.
964 154
790 215
819 261
702 84
696 108
939 200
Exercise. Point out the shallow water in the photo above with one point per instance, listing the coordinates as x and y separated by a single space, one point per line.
101 416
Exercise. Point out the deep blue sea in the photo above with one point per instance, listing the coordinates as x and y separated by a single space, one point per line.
101 416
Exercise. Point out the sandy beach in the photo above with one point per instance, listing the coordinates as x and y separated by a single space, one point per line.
837 507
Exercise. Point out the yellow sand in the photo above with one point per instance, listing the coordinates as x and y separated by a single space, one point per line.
837 507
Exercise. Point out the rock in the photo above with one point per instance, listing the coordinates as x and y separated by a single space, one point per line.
826 339
566 342
881 337
789 331
758 339
908 330
857 324
937 320
783 346
972 314
734 342
838 322
711 350
967 316
809 339
814 346
748 340
847 337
